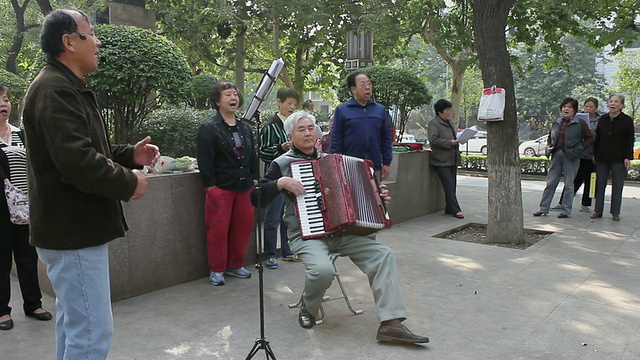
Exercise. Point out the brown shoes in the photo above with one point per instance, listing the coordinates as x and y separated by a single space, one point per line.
616 217
399 334
596 215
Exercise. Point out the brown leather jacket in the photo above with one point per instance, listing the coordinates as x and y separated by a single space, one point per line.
76 178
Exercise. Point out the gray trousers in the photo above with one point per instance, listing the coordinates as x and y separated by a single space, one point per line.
560 166
618 175
375 259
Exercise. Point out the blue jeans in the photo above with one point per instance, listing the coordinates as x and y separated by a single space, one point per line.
84 322
273 219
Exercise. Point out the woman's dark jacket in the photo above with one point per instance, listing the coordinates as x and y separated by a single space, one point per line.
614 139
219 162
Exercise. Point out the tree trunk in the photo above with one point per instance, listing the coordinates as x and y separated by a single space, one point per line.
239 60
505 220
298 78
278 52
18 38
45 6
457 74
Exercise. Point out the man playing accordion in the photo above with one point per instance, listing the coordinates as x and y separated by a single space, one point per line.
376 260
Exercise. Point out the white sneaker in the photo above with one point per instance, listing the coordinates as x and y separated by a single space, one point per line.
584 209
556 208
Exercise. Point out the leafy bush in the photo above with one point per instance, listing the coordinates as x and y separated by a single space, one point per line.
200 91
16 85
139 71
528 165
174 129
532 165
474 162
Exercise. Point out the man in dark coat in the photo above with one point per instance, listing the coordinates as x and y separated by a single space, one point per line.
76 182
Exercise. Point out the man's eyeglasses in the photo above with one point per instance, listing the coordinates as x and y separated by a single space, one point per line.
82 36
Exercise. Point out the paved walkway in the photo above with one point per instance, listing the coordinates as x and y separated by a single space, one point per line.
574 295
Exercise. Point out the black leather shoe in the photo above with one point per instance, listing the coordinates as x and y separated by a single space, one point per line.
6 325
399 334
563 216
305 319
45 316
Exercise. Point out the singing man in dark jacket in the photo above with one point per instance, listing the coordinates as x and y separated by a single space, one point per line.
360 127
76 182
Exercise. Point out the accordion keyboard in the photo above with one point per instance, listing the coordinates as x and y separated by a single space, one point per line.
310 204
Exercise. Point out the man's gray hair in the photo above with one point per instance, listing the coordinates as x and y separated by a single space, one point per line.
618 95
293 119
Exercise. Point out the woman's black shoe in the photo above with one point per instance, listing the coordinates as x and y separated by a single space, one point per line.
6 325
45 316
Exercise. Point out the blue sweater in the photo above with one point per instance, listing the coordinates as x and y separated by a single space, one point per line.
362 131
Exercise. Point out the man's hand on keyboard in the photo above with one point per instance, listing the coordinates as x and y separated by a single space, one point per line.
292 185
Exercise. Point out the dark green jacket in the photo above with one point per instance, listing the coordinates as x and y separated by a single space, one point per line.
76 178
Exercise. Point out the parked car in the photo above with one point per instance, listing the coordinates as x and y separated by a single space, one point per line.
410 141
407 139
477 144
533 147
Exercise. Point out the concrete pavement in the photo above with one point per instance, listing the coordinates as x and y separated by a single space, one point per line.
573 295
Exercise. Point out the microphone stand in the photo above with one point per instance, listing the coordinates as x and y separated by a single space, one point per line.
261 342
252 113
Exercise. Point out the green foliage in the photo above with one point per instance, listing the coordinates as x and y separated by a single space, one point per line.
532 165
540 88
140 71
528 165
201 88
20 29
392 86
627 81
16 85
174 129
599 22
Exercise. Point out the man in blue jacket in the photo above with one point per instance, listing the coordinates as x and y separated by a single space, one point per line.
360 126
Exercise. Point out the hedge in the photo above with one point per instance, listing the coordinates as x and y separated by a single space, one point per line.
531 165
174 129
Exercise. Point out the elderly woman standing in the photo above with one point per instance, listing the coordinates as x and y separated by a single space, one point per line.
228 167
14 239
613 152
568 137
445 155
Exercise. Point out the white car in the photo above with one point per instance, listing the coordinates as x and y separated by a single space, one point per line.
407 139
533 147
477 144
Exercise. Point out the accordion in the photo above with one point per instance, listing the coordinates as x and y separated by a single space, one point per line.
342 196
